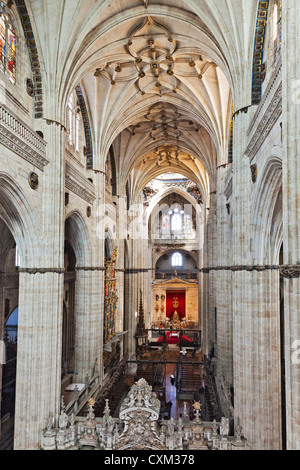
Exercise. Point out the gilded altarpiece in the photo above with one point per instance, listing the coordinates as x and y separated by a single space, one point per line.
111 298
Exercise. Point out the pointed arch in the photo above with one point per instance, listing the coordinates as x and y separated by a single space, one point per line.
113 171
77 233
20 218
265 203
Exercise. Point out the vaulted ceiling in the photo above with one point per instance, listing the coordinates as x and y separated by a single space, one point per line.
159 78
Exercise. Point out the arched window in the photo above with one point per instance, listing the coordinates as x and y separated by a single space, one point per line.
187 223
70 123
11 327
17 258
7 45
177 261
77 130
73 123
177 222
165 223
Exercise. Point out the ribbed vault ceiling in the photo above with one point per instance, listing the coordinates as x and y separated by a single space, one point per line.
154 74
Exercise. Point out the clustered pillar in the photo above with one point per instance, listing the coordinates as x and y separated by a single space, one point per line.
40 308
291 214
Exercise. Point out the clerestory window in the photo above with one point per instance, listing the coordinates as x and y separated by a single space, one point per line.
7 45
177 260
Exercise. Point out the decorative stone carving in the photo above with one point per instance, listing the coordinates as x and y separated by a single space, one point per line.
30 87
196 193
266 123
33 180
89 437
224 428
290 272
253 173
154 61
139 411
164 121
148 194
139 428
21 139
79 185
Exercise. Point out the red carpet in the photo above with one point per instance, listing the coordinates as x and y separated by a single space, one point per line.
174 339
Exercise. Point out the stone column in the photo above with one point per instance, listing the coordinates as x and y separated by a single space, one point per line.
89 313
223 287
132 298
212 261
97 275
120 266
204 289
291 212
136 274
40 307
256 325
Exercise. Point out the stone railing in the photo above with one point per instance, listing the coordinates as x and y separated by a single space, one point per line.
79 184
17 136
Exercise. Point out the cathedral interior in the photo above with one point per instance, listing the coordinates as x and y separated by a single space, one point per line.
149 233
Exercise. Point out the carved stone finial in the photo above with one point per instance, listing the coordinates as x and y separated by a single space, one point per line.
63 406
215 427
224 428
107 409
49 424
238 430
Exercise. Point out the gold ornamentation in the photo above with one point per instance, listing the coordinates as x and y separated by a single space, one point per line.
197 406
114 255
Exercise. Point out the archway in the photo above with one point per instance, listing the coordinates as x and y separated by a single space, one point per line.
77 299
9 300
68 332
9 369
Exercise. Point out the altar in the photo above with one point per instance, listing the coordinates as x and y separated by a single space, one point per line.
175 304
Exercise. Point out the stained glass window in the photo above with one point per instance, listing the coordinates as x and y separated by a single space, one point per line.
187 223
2 41
7 45
166 223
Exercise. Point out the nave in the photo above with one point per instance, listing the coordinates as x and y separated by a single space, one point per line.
191 384
149 149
